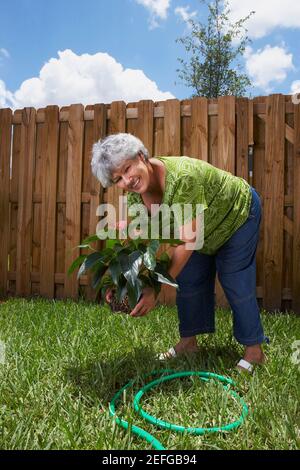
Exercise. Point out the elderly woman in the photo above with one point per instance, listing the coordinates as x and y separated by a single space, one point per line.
232 215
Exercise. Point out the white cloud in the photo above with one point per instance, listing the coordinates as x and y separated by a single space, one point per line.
295 87
158 10
85 79
5 96
269 14
4 52
184 13
268 66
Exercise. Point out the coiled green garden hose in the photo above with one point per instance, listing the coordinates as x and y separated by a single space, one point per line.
205 376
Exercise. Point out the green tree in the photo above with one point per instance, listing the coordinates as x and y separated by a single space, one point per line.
213 68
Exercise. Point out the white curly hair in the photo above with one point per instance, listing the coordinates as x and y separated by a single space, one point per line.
109 154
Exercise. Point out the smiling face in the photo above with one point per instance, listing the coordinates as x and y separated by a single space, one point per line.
133 175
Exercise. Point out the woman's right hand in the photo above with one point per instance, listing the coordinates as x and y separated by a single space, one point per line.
108 295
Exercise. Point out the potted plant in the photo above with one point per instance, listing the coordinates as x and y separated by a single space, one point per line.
126 267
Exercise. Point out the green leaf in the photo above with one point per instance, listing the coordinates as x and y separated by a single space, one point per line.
121 289
111 243
130 265
149 259
115 270
164 277
134 292
147 281
89 262
78 261
88 240
153 246
98 276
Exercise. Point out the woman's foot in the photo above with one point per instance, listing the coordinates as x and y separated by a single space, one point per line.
253 355
187 345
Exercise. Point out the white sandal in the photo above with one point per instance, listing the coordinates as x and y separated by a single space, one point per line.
166 356
245 365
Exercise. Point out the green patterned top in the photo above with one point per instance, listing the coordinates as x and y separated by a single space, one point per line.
226 198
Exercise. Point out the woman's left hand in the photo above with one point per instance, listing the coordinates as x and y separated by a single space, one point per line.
147 303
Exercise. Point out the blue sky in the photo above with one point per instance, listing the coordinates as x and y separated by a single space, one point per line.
138 52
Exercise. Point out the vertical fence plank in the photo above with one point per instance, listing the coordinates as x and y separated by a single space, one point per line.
213 136
61 206
287 266
226 133
159 144
95 187
16 150
199 132
25 190
131 124
242 138
172 127
86 291
259 137
186 130
296 233
145 124
274 200
117 124
73 195
36 207
225 158
172 140
48 209
250 122
5 150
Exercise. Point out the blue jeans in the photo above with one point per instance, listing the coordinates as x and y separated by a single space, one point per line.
236 266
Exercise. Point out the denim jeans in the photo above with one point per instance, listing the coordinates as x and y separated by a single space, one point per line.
236 267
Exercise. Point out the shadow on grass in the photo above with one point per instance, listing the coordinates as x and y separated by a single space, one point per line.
100 380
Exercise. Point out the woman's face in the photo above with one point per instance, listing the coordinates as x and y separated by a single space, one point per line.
133 175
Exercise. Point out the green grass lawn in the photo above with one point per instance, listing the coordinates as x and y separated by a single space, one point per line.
65 361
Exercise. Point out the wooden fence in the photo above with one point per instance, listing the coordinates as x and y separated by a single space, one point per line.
48 196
